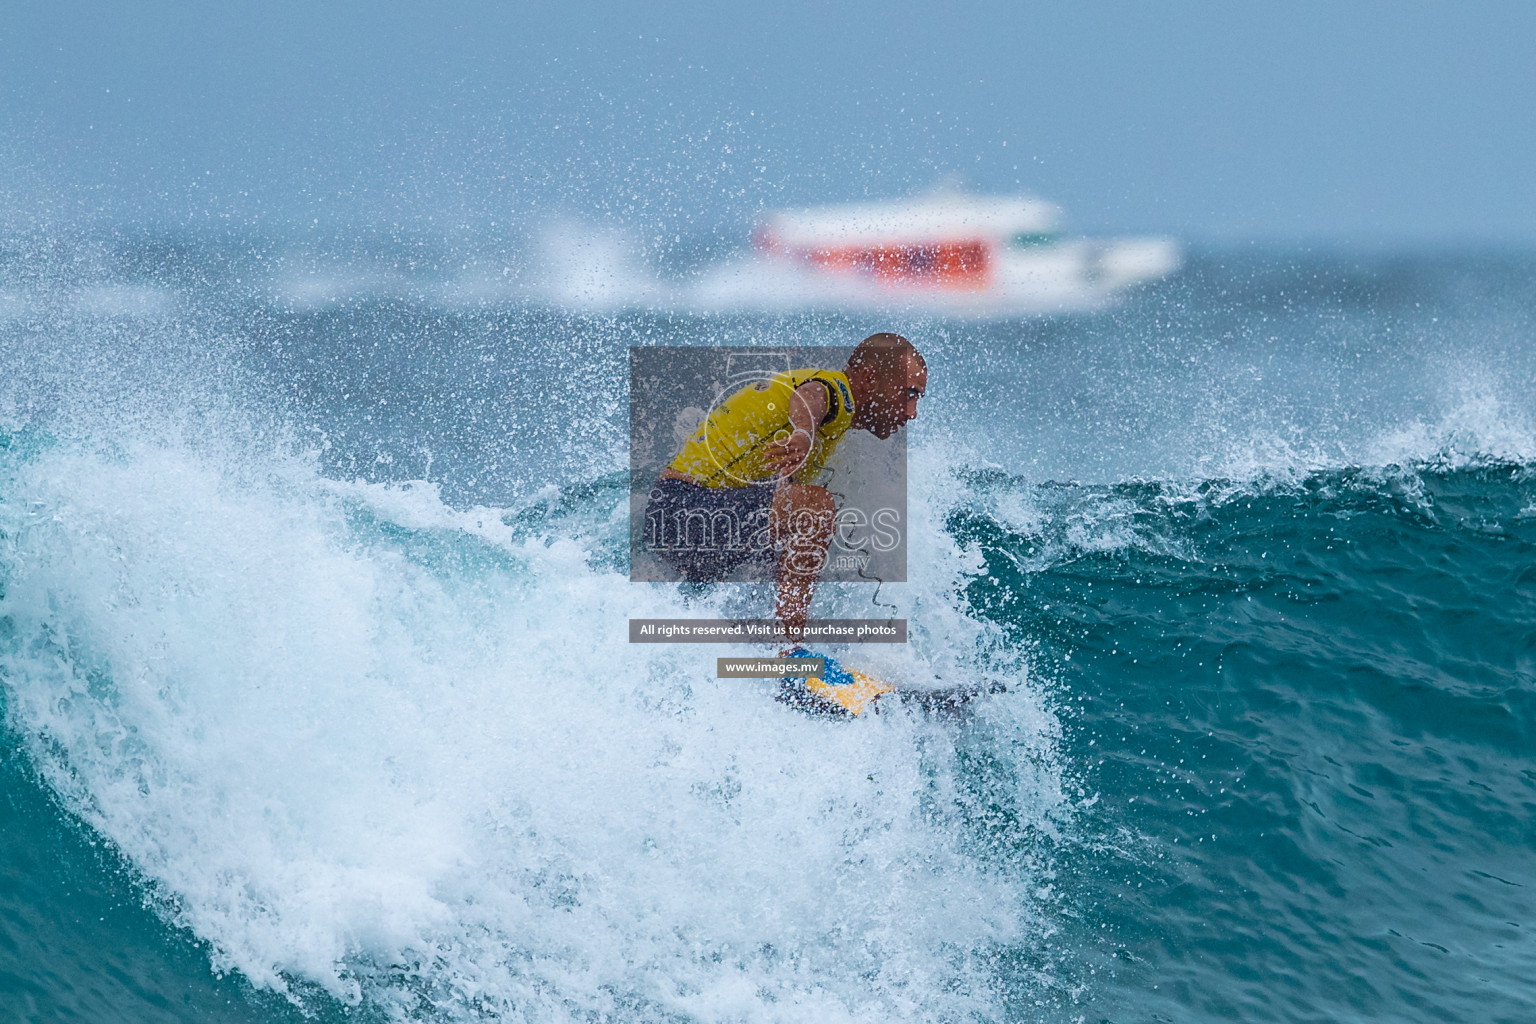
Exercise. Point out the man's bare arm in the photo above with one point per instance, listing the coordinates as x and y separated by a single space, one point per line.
807 408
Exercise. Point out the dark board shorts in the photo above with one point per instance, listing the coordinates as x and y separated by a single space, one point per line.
709 534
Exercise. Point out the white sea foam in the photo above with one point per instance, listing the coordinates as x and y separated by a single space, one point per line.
357 739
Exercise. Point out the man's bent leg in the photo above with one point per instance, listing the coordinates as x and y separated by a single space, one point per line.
802 518
706 534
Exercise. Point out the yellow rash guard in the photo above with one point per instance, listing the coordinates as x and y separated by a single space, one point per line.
728 448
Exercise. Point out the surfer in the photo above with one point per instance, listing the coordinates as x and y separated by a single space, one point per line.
747 477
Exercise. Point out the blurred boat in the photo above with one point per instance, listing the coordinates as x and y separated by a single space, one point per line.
947 252
961 252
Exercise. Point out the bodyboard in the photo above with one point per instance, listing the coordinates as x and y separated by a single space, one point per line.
841 692
837 691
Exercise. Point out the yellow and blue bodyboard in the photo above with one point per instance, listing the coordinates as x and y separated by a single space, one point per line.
838 691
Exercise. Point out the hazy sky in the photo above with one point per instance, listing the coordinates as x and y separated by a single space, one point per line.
1328 121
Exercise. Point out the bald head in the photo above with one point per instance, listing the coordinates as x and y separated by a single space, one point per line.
884 353
887 376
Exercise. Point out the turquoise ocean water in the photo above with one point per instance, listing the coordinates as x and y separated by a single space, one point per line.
317 704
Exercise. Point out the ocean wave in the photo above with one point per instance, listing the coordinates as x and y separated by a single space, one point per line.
1306 701
367 745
